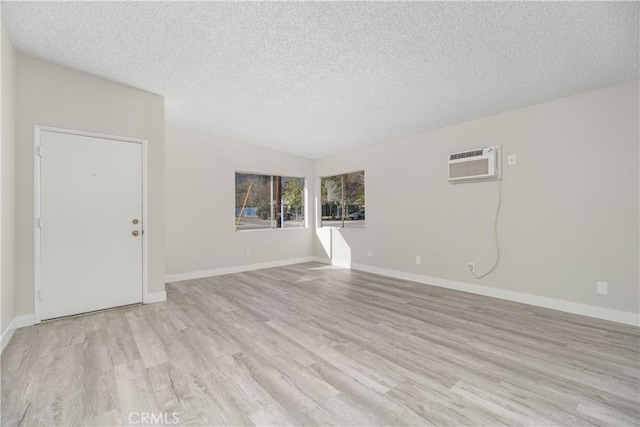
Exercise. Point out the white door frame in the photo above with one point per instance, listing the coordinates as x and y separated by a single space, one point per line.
36 210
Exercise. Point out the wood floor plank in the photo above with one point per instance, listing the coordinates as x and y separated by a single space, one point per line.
312 344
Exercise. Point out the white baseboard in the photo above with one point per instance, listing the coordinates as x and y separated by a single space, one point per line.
17 323
552 303
151 298
338 263
25 320
235 269
7 334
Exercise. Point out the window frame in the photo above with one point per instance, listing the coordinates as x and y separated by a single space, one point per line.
320 204
271 176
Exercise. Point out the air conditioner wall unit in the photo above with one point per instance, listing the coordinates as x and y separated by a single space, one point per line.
481 164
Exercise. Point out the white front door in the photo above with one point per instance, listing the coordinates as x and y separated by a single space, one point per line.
91 224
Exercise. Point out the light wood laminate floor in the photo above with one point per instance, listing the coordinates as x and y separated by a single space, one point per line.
311 344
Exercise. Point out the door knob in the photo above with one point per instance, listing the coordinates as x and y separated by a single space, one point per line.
135 232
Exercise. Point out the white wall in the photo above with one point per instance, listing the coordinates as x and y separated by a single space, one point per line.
51 95
7 191
200 198
569 212
570 205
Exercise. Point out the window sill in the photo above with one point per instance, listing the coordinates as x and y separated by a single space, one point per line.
271 229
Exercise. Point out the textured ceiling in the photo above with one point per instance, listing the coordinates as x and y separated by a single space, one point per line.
313 79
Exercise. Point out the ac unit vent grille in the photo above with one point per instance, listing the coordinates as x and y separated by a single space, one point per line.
470 168
475 165
465 155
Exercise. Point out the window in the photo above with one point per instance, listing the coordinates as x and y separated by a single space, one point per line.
265 201
343 200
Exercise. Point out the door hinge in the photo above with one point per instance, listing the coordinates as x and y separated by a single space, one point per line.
39 222
39 295
39 150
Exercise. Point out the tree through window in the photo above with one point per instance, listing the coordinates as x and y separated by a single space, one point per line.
342 200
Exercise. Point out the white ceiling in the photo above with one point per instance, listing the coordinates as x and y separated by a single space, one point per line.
314 79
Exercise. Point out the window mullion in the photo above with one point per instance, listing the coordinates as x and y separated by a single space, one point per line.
272 203
343 198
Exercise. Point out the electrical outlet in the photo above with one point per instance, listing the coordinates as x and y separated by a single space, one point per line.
248 252
472 266
418 260
602 288
511 159
370 252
